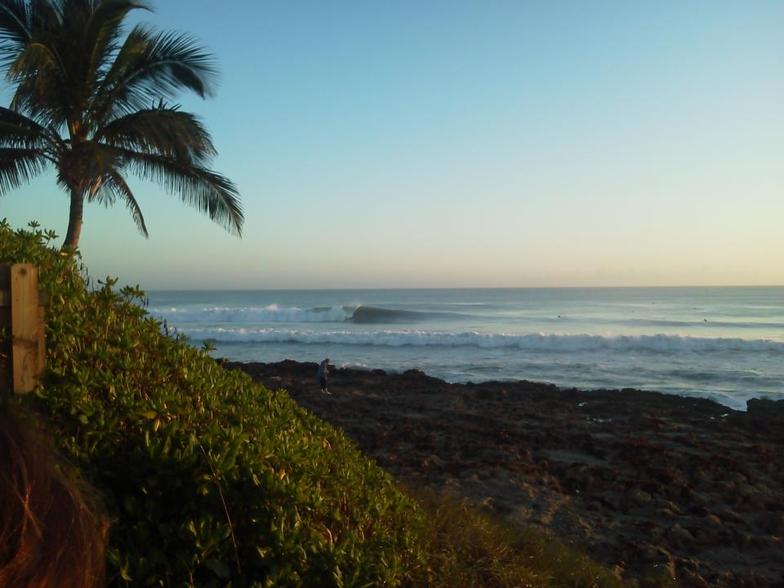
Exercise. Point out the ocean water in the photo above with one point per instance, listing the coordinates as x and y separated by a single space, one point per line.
722 343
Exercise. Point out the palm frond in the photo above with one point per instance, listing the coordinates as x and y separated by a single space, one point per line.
116 184
42 98
18 166
35 59
164 131
37 68
105 27
15 26
152 66
110 187
22 20
46 15
72 79
209 192
18 130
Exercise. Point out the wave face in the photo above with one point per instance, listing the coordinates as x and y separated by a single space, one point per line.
378 315
664 344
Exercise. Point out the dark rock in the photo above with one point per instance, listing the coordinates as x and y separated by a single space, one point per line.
692 579
762 408
773 523
638 497
680 537
654 554
648 482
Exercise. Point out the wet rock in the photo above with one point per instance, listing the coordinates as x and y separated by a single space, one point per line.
762 408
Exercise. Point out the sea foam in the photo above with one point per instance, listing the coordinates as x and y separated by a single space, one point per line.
528 342
271 313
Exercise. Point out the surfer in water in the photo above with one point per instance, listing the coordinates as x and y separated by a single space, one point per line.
322 374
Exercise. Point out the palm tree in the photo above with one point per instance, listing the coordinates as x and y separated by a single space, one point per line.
93 105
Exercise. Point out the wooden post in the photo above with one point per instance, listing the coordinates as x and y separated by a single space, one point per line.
22 356
5 327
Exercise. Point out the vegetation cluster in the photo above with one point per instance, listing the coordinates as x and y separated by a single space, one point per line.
213 480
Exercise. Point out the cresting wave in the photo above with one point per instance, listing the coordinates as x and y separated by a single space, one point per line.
293 314
528 342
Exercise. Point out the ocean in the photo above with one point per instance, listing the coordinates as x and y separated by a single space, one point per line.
726 344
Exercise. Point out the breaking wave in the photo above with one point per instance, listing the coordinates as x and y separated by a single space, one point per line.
529 342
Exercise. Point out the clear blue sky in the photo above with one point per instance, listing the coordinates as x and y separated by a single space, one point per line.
431 144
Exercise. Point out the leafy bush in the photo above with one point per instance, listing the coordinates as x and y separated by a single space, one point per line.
212 480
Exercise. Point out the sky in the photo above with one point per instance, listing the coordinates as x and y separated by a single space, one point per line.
381 144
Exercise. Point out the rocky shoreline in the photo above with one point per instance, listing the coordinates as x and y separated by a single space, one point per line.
648 483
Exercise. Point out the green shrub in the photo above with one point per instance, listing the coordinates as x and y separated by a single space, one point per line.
211 479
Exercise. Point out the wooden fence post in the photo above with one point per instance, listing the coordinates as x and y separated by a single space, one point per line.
5 327
22 354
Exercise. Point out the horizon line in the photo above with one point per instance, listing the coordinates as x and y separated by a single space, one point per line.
464 288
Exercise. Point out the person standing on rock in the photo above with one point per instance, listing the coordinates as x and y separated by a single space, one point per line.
322 374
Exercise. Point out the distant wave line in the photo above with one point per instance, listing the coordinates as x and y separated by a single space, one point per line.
273 313
659 343
695 323
362 314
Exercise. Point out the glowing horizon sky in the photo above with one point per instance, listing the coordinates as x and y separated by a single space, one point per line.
469 144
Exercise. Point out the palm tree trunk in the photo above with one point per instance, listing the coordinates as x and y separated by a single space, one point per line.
74 221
